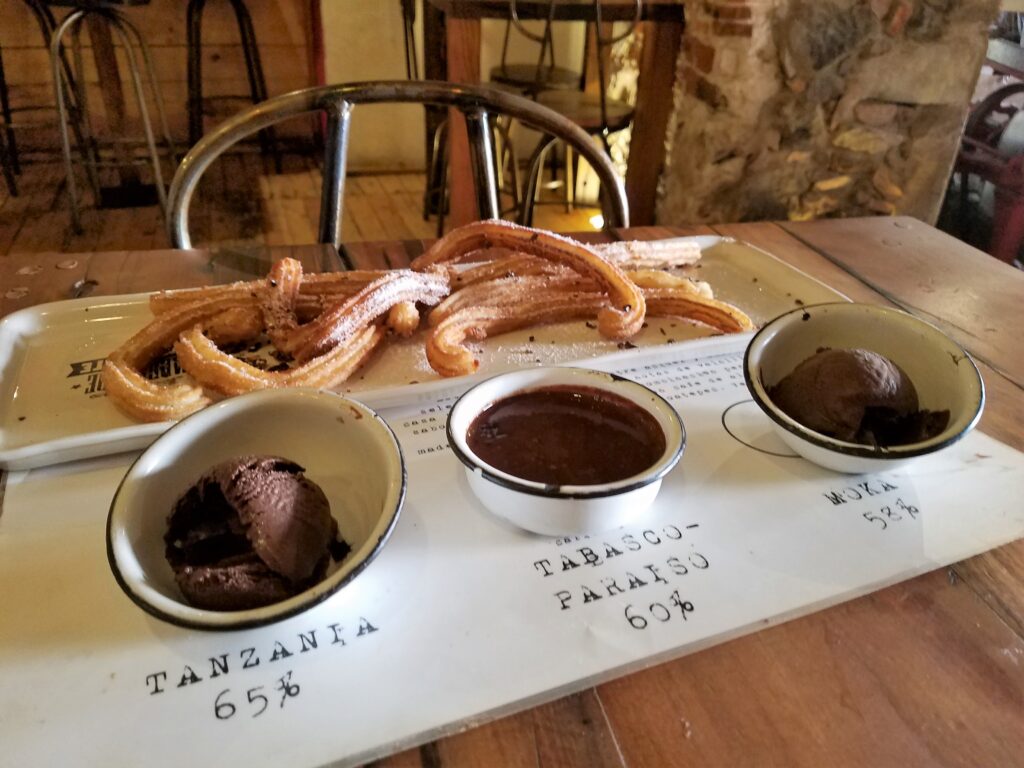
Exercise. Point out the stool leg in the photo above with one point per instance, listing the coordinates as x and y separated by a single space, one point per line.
86 141
433 183
120 26
195 70
442 194
48 27
62 113
154 87
533 180
8 147
570 180
254 70
508 160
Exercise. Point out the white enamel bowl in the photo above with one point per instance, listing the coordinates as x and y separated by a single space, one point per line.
942 372
346 448
569 509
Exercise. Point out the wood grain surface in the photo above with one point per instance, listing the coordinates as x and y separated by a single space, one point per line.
929 672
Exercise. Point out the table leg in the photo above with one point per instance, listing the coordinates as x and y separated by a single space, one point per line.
435 66
112 92
463 67
662 42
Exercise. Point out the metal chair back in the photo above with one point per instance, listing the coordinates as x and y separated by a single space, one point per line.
477 104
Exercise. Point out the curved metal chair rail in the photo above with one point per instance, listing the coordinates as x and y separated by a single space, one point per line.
476 103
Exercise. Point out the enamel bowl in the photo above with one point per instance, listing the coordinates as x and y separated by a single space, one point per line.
346 448
568 509
942 372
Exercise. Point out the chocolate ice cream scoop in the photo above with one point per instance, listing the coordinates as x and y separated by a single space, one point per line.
835 390
250 532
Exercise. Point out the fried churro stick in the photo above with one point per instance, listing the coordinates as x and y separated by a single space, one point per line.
507 290
446 350
651 254
620 319
223 373
516 265
278 296
404 318
145 400
233 326
656 278
315 289
340 322
663 302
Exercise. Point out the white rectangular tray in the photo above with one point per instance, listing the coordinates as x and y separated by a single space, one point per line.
464 617
53 409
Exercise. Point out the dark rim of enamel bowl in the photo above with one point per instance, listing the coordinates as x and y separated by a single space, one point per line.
554 491
272 618
820 440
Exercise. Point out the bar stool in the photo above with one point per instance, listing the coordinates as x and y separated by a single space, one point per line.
531 79
595 113
253 70
10 163
131 39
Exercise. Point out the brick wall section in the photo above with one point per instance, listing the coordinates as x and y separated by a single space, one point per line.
708 25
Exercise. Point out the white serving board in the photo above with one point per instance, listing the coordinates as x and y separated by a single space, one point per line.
463 617
53 409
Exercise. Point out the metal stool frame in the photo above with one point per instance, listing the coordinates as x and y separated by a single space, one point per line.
477 104
125 31
253 70
9 155
536 163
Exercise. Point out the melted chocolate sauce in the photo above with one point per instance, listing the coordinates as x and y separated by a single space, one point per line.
564 435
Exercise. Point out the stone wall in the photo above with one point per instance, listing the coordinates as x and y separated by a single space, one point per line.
804 109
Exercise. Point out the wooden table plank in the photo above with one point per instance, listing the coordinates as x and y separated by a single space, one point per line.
925 263
921 674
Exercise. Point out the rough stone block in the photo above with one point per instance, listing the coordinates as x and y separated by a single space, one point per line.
867 140
882 181
836 182
938 73
880 7
875 113
728 62
710 94
701 54
732 28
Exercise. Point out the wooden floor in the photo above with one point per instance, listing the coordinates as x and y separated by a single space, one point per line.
239 202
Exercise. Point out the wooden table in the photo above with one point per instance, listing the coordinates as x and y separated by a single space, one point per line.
928 672
456 23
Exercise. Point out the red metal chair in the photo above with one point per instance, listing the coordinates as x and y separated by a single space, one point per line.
992 149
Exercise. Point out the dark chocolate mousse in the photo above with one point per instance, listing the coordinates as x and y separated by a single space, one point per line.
857 396
250 532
